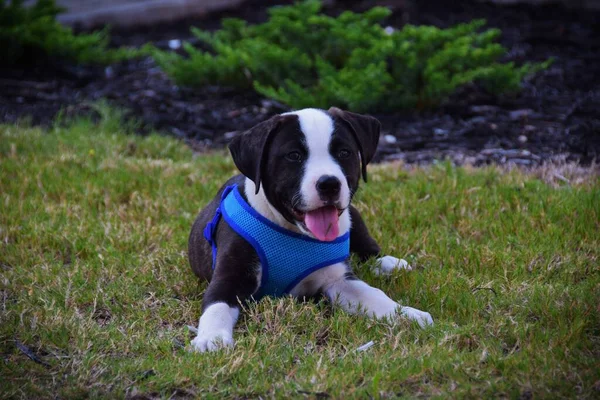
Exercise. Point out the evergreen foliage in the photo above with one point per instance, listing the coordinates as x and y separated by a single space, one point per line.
26 33
304 58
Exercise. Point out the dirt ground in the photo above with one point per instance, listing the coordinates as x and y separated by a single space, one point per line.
556 116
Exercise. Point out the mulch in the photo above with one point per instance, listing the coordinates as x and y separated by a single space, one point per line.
554 117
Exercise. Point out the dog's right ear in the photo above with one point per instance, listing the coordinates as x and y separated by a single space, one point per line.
249 150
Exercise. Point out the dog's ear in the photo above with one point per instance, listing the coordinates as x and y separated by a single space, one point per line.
249 150
365 130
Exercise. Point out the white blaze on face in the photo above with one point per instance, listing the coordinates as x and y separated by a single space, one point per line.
317 127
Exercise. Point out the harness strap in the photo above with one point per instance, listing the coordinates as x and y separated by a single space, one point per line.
210 229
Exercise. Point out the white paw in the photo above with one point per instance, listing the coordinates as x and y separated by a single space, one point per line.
212 341
423 318
387 264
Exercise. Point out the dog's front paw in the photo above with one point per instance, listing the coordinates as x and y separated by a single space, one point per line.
387 264
423 318
212 341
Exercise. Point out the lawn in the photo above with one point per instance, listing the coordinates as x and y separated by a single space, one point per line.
95 285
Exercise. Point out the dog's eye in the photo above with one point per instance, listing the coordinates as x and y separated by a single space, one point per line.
294 156
344 153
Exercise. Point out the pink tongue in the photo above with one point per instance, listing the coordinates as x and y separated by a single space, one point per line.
323 223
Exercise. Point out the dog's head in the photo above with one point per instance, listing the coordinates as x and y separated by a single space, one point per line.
309 163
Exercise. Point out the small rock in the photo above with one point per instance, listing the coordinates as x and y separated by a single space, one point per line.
440 132
109 72
174 44
390 139
483 109
272 104
230 135
521 161
520 114
470 160
529 128
178 132
522 139
477 120
493 126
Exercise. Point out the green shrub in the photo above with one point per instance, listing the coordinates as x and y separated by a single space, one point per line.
28 32
304 58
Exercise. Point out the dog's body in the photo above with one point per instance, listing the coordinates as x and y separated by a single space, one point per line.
300 171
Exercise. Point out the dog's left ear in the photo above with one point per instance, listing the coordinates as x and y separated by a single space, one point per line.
365 130
249 150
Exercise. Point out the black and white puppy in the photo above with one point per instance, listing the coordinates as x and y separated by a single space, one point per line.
294 166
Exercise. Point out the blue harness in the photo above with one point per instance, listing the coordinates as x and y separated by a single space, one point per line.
286 257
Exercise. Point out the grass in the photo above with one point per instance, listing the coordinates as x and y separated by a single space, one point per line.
95 282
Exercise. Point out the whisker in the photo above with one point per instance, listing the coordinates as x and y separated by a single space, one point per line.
296 199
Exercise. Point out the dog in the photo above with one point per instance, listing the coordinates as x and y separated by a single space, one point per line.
286 225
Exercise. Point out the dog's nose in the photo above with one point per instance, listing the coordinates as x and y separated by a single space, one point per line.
328 187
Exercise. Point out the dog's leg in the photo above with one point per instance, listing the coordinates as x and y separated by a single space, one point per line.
356 296
221 308
361 241
363 244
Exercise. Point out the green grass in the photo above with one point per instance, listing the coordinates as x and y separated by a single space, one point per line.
94 280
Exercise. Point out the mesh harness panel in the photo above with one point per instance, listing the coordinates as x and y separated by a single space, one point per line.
286 257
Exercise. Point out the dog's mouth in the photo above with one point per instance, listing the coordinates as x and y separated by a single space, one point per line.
322 222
